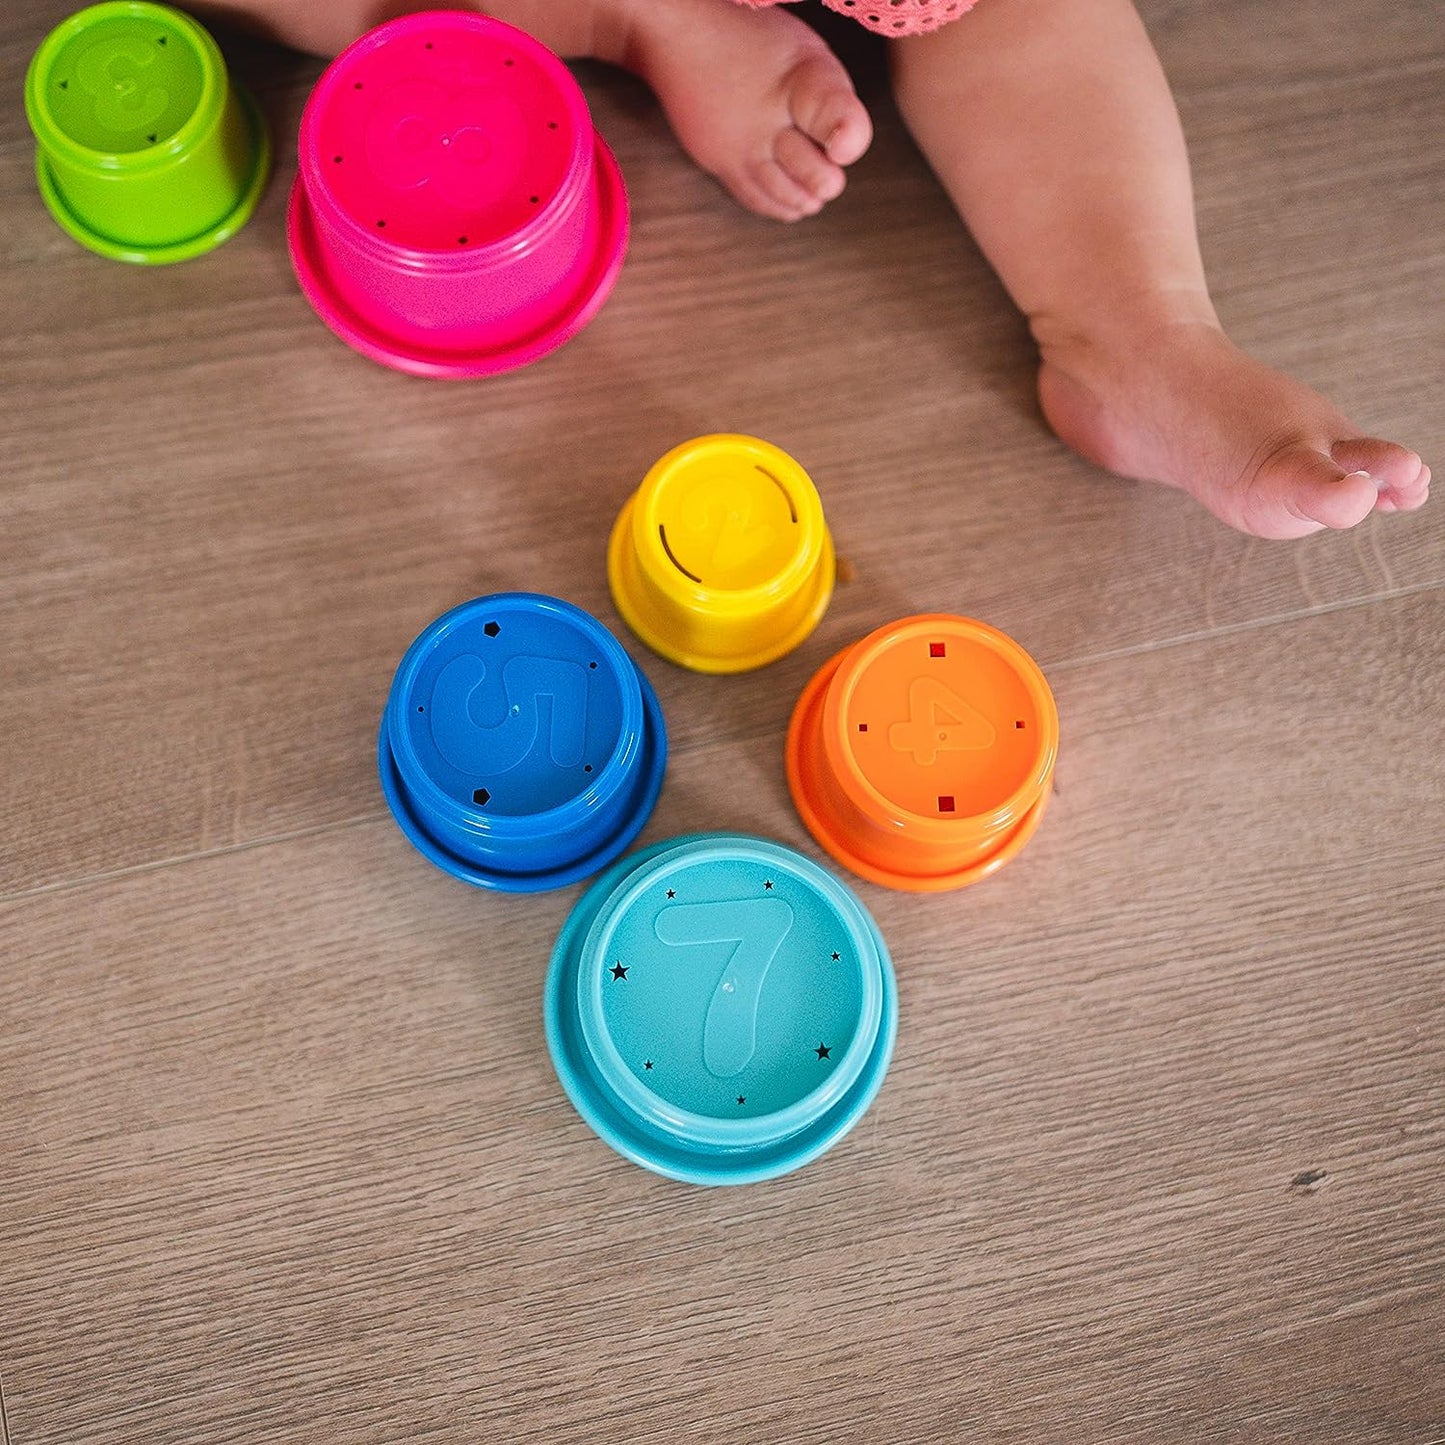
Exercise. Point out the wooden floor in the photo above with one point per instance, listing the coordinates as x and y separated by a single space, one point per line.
1161 1155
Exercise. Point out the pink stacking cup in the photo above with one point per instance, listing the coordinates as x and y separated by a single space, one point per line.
455 212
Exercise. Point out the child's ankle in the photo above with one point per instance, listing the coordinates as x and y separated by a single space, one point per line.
1125 322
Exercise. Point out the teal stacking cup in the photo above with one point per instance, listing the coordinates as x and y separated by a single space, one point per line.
145 150
720 1009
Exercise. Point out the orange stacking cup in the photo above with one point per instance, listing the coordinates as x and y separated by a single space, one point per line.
922 757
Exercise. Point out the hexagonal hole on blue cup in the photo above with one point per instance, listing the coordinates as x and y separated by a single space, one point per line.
520 748
720 1009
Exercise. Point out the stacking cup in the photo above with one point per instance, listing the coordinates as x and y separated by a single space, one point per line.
521 748
455 212
720 1009
721 560
145 150
922 757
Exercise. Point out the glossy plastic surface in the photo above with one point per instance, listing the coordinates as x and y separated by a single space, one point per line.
721 561
922 757
455 213
145 150
720 1009
521 748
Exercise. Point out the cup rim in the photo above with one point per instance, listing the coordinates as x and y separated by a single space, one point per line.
700 596
672 1158
872 801
708 1130
192 246
52 139
628 597
652 768
802 760
608 781
465 363
491 255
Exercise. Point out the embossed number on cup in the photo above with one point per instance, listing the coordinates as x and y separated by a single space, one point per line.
756 927
505 711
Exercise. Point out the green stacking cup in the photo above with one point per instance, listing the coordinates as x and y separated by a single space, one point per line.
145 151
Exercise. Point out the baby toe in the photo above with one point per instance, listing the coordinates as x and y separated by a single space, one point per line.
1392 466
824 106
805 164
778 194
1299 490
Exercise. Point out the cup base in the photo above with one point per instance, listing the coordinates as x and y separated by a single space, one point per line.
653 764
621 565
661 1152
191 246
804 725
483 356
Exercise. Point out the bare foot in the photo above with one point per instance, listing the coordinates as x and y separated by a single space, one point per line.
756 98
1182 405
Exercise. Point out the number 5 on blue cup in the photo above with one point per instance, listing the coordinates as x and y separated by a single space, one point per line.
521 748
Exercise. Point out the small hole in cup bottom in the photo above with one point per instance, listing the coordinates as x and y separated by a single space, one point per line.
492 629
551 125
336 160
587 767
461 240
862 727
382 224
481 796
937 649
592 666
357 86
420 708
1018 724
534 199
945 803
508 64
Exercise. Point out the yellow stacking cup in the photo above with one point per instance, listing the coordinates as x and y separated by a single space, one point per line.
721 560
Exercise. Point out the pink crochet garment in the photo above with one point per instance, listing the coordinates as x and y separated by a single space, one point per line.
893 17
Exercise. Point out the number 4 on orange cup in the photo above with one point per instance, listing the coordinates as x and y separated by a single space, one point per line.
921 758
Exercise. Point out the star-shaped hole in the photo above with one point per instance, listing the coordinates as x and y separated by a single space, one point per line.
618 972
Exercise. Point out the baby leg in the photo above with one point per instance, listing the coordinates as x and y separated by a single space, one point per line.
1051 126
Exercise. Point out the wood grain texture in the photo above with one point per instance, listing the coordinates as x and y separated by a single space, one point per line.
282 1157
287 1148
220 527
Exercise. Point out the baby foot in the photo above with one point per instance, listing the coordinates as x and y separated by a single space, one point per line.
756 98
1182 405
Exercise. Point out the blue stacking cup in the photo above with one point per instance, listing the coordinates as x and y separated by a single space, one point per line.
720 1009
521 748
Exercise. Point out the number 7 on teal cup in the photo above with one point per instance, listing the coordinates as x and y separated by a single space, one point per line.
720 1009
